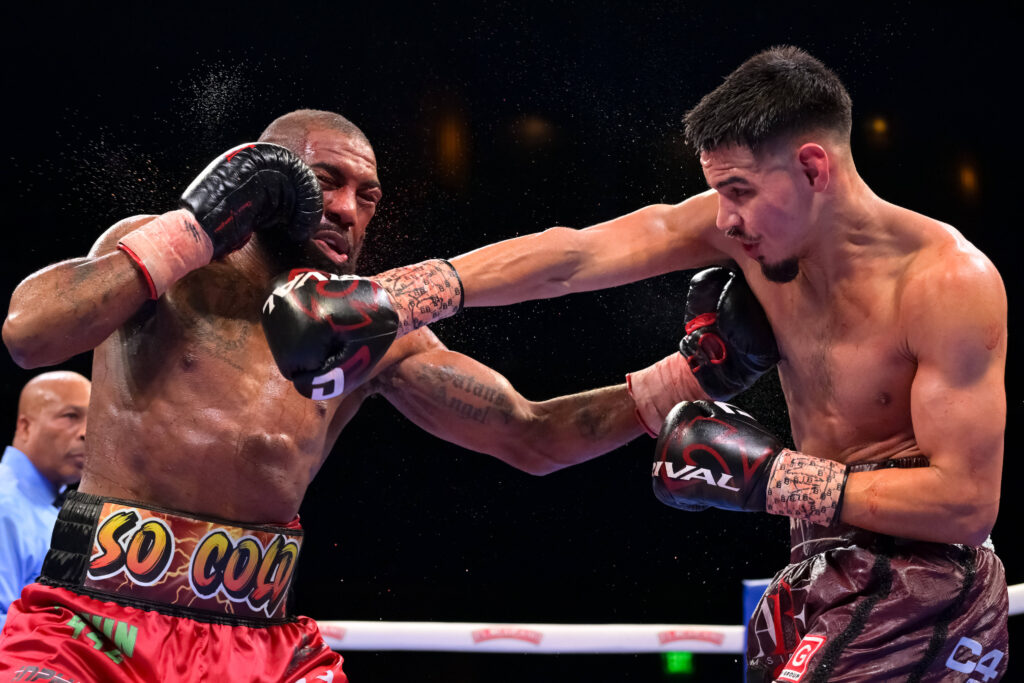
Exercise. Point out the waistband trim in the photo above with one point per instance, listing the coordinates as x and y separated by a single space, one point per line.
149 557
906 462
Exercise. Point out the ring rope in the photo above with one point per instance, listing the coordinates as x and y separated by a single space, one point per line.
548 638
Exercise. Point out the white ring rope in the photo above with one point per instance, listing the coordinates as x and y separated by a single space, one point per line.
547 638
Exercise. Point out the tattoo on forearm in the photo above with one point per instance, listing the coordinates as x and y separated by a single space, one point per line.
423 293
465 396
591 423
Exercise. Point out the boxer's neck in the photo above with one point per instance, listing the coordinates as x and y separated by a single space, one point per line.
848 225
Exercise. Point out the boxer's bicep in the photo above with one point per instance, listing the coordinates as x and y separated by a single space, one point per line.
958 397
70 307
651 241
955 322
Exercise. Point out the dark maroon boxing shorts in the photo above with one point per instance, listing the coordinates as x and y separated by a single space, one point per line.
859 606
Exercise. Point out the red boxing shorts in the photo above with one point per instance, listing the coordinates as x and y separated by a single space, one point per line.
136 593
859 606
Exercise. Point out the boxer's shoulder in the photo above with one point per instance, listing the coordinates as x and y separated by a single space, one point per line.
107 242
952 295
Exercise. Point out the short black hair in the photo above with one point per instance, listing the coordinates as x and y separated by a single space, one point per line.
291 129
776 93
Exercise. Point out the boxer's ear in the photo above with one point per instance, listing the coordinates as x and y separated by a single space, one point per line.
813 160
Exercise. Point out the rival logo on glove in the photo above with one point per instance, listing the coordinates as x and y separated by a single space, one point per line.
693 472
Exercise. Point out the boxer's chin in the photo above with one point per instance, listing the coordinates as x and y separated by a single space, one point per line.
283 254
782 272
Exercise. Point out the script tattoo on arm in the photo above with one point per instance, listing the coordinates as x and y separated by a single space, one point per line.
423 293
466 397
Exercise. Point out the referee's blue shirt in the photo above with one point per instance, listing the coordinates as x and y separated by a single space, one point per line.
27 516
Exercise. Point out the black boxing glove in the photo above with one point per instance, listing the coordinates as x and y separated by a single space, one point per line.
253 187
326 331
729 342
714 454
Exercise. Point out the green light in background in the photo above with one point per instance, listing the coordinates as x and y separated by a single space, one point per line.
678 663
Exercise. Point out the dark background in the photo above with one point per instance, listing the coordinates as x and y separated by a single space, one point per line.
488 122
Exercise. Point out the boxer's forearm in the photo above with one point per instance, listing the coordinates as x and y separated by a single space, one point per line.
71 307
573 429
922 504
463 401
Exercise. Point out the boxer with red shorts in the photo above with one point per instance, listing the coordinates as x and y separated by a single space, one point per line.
231 345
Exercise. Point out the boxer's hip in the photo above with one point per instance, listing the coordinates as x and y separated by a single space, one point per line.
175 563
859 606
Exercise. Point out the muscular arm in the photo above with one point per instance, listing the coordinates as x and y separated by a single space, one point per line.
652 241
462 401
958 407
71 307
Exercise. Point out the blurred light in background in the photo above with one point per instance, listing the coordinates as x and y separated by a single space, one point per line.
968 180
877 131
533 131
452 146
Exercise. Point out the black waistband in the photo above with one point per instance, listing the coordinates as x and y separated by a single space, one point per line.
809 539
144 556
906 462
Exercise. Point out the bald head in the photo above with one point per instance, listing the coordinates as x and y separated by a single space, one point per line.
50 430
49 387
292 129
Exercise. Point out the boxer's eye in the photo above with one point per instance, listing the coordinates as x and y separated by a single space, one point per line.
369 197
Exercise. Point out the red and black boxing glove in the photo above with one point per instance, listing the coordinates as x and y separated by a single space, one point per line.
326 331
729 341
256 186
714 454
253 187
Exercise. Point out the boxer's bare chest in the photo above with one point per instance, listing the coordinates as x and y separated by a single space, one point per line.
846 369
194 414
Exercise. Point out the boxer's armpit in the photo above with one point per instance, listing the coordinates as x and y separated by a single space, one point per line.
806 487
423 293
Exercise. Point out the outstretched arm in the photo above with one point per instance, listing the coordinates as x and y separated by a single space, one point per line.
652 241
462 401
958 407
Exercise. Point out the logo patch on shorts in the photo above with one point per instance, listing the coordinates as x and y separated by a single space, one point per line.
796 667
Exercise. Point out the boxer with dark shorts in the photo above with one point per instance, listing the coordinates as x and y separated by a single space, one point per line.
231 346
855 606
889 332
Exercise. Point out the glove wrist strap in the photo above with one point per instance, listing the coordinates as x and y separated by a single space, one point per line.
167 248
423 293
657 388
806 487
